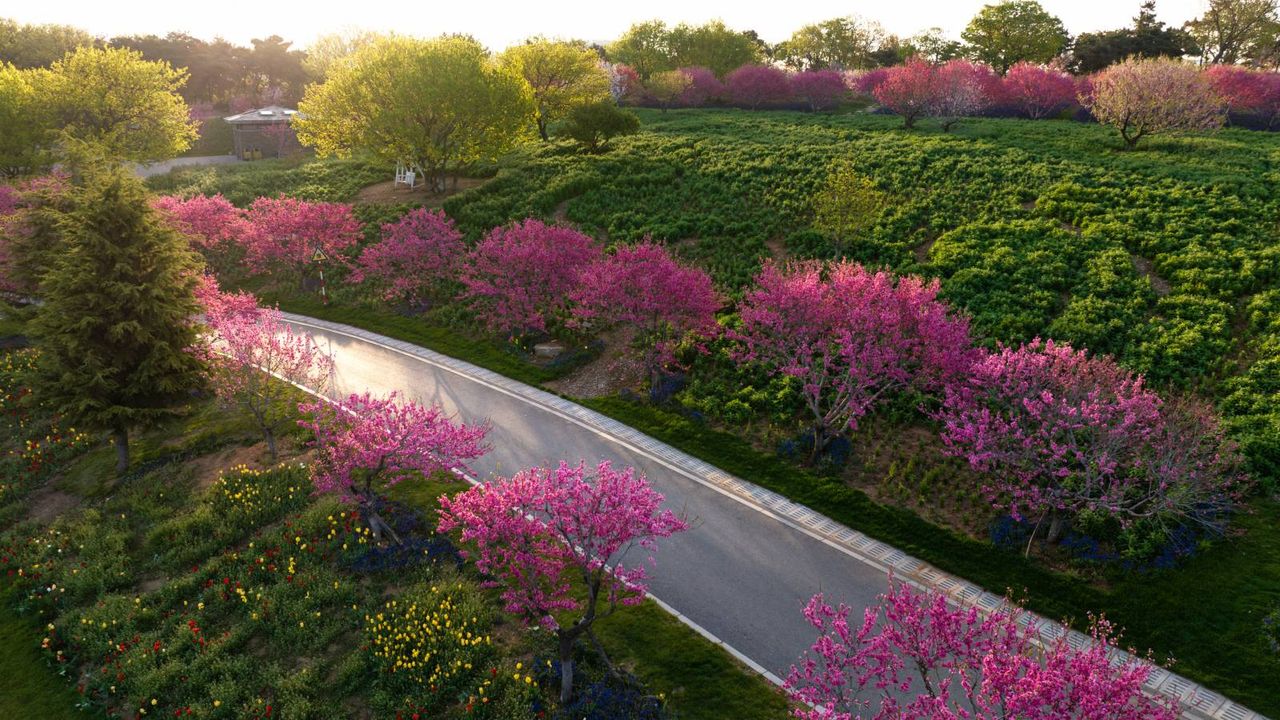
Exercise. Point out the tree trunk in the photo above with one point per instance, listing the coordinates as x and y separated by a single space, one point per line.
1057 524
271 442
120 436
566 666
542 129
819 442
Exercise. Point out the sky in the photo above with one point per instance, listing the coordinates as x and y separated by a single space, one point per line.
499 23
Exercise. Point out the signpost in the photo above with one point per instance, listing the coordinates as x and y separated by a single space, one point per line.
318 257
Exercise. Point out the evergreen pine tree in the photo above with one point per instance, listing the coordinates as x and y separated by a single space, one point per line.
116 324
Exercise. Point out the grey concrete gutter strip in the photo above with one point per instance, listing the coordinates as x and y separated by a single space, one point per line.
1196 701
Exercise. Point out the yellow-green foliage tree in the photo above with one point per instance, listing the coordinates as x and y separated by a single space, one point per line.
645 47
22 125
438 104
562 75
113 98
329 50
665 87
33 46
847 203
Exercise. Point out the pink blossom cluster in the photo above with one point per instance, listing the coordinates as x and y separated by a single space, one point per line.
915 656
1057 431
415 258
851 336
366 441
538 529
288 232
756 86
521 277
252 353
643 287
544 530
8 200
955 89
1037 91
280 233
210 222
704 87
1247 91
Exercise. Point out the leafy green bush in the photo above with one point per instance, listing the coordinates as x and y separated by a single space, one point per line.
592 126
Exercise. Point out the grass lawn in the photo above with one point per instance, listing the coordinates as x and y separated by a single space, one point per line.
28 688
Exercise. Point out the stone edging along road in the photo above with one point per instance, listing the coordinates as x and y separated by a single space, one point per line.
1196 701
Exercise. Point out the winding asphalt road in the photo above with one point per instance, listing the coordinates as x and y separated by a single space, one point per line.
751 560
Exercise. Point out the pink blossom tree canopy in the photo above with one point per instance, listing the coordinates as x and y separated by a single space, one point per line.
366 442
642 286
1247 91
1057 432
8 200
961 88
916 657
704 87
851 337
821 89
541 531
1146 96
520 278
416 256
252 353
210 222
288 231
756 85
624 82
866 81
908 90
1037 91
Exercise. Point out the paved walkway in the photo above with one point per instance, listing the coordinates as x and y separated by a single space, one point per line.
752 559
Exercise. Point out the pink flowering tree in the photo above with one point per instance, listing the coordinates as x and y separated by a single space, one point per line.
216 228
8 200
1247 91
521 277
624 83
544 530
851 337
704 87
1057 432
366 443
417 256
287 232
210 222
908 90
866 81
253 356
915 656
643 287
821 89
1037 91
1147 96
756 85
218 304
961 88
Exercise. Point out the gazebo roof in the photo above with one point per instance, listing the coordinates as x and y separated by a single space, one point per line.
268 114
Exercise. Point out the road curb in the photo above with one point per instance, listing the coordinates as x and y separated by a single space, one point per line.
1196 702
